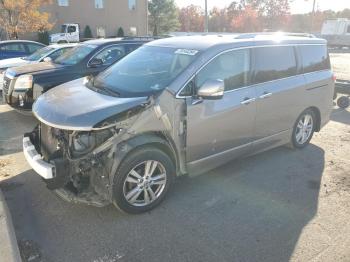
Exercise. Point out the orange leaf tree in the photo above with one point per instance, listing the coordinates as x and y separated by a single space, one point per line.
21 16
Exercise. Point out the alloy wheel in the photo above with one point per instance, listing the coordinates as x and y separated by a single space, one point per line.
144 183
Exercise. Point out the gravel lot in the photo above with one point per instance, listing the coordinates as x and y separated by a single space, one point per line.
281 205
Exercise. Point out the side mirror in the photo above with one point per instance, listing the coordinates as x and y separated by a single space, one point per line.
47 59
96 62
212 89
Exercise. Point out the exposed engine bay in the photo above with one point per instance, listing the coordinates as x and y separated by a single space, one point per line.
86 161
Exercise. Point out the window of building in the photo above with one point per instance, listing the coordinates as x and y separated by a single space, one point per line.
232 67
101 31
132 4
274 62
315 58
99 4
133 31
63 2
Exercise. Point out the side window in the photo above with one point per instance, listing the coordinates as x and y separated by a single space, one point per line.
71 29
33 47
111 54
273 63
58 53
348 30
132 47
315 58
232 67
16 47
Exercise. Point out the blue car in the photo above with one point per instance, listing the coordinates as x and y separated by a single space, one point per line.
18 48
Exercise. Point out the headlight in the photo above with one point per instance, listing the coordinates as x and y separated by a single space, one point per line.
24 82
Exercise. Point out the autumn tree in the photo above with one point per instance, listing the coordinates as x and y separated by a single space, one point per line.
246 21
21 16
273 14
191 19
163 16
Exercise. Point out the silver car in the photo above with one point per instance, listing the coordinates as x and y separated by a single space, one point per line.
177 106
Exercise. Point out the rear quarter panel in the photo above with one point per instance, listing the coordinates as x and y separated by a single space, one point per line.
319 91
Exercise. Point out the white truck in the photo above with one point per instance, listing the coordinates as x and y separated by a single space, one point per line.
336 32
70 33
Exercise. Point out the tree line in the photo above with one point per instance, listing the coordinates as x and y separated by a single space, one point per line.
239 16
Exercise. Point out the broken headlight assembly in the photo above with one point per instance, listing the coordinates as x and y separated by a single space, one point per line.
83 142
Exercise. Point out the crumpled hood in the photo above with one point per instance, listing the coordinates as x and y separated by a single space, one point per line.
73 106
11 62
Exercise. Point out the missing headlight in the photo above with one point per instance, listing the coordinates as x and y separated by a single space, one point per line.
84 142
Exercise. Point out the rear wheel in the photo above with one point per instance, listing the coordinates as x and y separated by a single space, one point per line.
303 129
142 180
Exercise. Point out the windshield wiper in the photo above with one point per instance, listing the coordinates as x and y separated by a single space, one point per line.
106 90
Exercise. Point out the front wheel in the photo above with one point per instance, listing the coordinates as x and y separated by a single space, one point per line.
142 180
303 129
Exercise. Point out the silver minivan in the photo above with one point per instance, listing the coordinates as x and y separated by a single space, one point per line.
176 106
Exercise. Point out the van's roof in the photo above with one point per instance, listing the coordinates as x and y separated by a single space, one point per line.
202 42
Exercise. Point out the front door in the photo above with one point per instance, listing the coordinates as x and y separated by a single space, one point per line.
217 127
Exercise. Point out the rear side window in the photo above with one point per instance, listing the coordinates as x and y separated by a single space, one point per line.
274 62
16 47
315 58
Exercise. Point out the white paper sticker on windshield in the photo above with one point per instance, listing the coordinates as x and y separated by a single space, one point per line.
186 51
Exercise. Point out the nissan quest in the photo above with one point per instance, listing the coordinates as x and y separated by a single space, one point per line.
175 106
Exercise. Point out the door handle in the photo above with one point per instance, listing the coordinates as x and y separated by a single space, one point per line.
247 101
265 95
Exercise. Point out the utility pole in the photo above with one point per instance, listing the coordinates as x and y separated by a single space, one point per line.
206 22
313 15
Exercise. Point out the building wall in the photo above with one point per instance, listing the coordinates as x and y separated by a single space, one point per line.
114 14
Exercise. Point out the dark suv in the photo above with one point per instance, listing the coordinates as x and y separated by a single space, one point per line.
22 85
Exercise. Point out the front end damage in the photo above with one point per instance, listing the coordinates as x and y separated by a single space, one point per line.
80 165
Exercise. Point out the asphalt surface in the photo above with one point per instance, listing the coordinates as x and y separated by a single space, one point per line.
280 205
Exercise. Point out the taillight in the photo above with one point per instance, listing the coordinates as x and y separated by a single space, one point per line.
334 77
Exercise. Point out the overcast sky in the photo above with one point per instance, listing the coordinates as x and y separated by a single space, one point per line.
298 6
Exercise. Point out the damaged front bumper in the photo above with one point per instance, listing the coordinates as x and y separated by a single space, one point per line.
35 160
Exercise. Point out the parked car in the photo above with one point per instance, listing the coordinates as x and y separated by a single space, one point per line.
176 106
18 48
44 54
336 32
22 85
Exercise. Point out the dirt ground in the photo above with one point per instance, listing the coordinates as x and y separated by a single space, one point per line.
281 205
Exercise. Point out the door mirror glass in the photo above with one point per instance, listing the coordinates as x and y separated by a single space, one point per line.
212 89
47 59
96 62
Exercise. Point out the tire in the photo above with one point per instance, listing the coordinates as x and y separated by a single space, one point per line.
132 192
303 133
62 42
343 102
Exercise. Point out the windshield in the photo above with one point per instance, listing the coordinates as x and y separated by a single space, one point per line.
63 28
145 71
39 54
75 55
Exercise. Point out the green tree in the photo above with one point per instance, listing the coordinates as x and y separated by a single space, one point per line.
120 32
87 32
43 37
163 16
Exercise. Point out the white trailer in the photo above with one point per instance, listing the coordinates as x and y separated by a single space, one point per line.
336 32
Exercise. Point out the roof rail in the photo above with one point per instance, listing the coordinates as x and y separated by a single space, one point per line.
252 35
141 37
